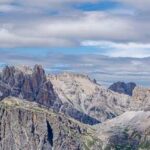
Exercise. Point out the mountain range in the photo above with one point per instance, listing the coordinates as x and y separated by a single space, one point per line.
69 111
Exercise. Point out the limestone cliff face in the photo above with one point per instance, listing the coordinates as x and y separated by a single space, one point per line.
29 126
97 101
89 97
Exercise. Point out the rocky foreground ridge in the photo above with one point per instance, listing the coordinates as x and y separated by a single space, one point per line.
28 126
129 131
121 120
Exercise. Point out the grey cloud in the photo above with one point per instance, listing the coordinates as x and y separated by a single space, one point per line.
66 31
140 4
70 27
104 69
28 25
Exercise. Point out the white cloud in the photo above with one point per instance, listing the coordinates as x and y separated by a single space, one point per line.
94 25
112 49
129 45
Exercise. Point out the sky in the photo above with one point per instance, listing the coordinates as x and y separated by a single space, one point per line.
107 39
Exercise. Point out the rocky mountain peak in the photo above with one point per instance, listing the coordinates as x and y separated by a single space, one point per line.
88 96
34 86
39 73
122 87
7 73
58 102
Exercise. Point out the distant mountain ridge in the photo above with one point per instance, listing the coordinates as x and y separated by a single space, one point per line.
122 87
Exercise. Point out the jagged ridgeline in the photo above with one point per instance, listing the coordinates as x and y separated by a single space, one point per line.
45 111
70 111
72 94
33 85
75 95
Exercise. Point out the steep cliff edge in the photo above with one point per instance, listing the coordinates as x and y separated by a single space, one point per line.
27 125
31 85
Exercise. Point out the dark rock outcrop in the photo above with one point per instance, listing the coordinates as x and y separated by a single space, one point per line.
33 87
121 87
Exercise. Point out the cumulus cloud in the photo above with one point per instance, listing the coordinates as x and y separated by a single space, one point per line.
52 23
123 31
72 30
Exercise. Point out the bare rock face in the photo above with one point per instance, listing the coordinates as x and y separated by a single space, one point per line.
129 131
74 95
89 97
141 99
29 126
121 87
33 85
44 113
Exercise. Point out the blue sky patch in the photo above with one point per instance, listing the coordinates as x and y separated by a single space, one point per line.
104 5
